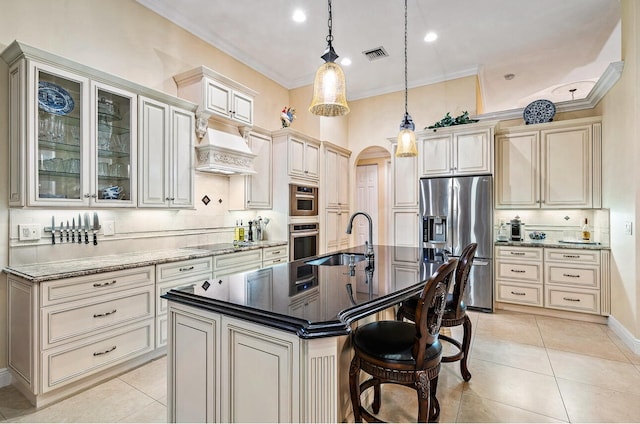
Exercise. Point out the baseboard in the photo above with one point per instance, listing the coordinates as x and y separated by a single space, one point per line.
5 377
624 334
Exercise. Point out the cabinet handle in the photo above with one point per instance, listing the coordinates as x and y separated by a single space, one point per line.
306 172
186 268
105 314
518 293
275 253
108 283
94 196
103 352
276 260
517 253
518 271
568 299
571 275
571 256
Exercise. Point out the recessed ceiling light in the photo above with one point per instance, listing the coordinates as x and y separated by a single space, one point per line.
430 37
509 77
345 62
299 16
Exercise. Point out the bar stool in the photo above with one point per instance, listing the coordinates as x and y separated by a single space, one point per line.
455 312
404 353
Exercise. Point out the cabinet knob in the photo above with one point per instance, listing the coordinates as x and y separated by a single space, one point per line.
219 281
94 196
87 195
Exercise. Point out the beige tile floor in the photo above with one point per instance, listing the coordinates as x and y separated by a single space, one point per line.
525 368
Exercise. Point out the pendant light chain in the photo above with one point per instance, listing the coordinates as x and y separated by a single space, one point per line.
405 59
330 25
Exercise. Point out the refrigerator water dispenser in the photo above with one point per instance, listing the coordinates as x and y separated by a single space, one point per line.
435 229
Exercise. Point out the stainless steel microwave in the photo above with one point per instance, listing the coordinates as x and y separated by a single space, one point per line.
303 200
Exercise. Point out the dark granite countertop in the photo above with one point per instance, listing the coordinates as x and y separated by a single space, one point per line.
47 271
315 301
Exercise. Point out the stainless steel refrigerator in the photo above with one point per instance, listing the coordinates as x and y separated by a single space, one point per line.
457 211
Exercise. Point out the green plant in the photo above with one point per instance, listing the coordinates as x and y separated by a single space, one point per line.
448 121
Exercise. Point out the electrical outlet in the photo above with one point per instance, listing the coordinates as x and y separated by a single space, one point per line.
29 232
108 228
628 228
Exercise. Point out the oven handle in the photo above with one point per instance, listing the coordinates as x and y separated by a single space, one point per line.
305 196
305 280
304 233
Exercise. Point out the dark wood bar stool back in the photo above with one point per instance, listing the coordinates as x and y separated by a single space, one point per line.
455 313
401 352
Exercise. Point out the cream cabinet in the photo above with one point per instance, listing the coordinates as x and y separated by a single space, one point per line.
70 138
166 155
551 166
174 274
275 255
336 172
62 333
405 180
459 150
574 280
217 96
334 197
231 353
302 154
405 227
74 132
335 226
254 191
519 275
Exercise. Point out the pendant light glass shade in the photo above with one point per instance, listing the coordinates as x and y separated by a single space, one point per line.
329 87
329 91
407 137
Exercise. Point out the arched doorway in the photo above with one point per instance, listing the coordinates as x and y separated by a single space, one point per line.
373 168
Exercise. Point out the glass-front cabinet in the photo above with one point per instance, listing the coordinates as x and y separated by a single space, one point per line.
85 142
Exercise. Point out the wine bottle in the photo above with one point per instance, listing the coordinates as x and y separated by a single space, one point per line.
241 238
586 234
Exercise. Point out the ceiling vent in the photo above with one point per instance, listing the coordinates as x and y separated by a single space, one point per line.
377 53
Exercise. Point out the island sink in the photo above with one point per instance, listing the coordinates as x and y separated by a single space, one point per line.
338 259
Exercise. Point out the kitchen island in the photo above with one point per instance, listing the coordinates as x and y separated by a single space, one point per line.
272 344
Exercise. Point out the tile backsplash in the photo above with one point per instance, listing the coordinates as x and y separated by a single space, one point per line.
560 224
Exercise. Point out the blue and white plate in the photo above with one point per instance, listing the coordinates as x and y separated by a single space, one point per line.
539 111
54 99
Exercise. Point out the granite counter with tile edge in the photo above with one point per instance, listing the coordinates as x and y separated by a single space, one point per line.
553 244
47 271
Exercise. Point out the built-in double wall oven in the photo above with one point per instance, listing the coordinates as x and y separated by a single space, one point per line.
303 240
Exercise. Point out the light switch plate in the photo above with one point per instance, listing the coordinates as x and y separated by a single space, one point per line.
29 232
628 228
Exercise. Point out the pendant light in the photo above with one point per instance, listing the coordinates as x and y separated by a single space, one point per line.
407 137
329 88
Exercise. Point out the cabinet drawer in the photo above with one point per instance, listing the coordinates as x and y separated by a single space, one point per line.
274 261
587 301
520 293
572 256
525 271
274 252
239 259
534 254
587 277
184 269
73 361
68 289
76 319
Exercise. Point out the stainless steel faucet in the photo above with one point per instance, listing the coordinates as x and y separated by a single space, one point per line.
368 245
